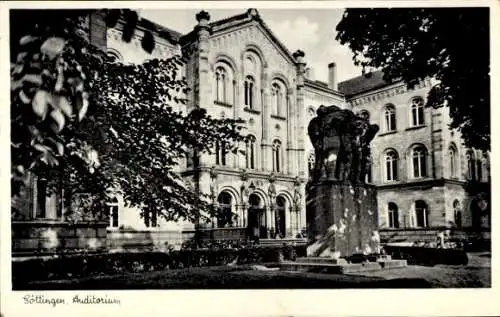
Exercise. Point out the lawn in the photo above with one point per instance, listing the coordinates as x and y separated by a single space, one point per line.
221 278
476 274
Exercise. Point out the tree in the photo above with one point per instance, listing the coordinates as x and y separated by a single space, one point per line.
450 45
89 125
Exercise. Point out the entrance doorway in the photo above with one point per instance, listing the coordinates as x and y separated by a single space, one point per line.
256 218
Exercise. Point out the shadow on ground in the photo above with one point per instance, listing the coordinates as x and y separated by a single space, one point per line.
223 278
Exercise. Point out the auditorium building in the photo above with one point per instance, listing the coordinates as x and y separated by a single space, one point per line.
237 68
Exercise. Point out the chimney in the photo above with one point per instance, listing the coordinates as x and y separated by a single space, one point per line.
332 76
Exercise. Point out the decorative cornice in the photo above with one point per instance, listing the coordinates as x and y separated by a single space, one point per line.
244 174
428 183
384 92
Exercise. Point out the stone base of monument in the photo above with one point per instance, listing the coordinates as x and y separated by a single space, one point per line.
341 219
341 266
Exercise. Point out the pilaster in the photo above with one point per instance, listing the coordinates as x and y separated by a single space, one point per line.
300 109
291 141
266 116
204 83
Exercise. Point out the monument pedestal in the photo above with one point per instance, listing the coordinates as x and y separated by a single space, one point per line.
342 219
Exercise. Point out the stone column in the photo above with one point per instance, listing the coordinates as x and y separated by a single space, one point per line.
266 116
236 101
244 215
300 108
269 220
205 86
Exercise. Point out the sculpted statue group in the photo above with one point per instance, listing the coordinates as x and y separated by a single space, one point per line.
341 141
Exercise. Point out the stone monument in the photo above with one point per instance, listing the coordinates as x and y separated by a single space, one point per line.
341 208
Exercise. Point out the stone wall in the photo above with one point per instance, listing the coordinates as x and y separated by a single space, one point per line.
46 236
144 240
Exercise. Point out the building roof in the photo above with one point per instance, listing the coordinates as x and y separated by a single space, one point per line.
366 82
162 31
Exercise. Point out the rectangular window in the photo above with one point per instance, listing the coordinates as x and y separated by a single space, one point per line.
41 199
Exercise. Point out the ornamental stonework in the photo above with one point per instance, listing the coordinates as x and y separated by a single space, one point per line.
233 43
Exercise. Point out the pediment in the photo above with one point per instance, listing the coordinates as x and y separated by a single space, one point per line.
251 27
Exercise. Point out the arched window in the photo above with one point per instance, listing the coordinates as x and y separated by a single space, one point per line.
471 166
249 92
113 213
221 85
276 98
453 159
224 214
391 165
114 55
311 161
220 153
457 213
421 214
277 156
417 112
250 64
250 152
392 215
419 161
280 215
390 118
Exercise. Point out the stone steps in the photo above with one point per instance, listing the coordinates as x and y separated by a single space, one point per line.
339 266
321 260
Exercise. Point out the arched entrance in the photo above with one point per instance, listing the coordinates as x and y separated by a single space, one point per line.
256 218
280 215
225 214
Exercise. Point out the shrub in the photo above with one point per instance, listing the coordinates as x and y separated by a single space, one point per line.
428 256
83 265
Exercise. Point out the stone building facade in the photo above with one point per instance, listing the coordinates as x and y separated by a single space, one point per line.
237 68
425 176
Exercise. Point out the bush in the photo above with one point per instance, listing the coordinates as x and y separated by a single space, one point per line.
428 256
83 265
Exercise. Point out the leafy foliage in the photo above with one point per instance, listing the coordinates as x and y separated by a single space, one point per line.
111 127
448 44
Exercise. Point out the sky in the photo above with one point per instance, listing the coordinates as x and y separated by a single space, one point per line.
311 30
